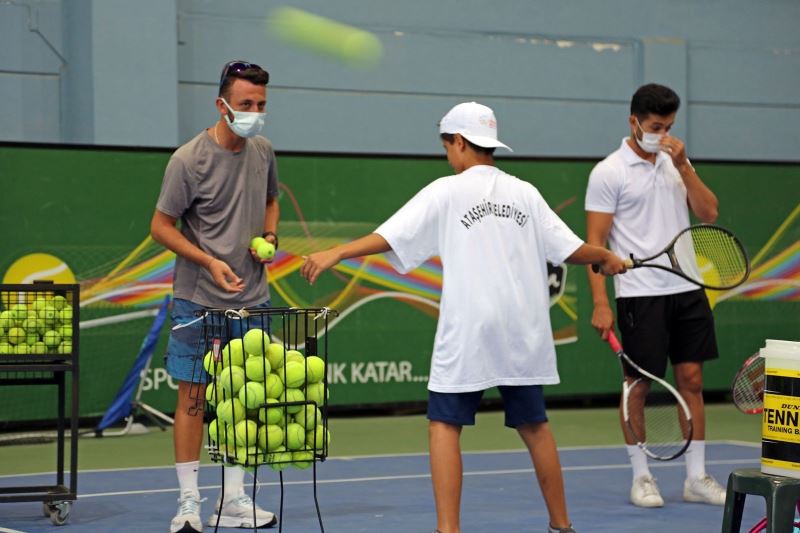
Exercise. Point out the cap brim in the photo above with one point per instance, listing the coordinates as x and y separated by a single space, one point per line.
485 142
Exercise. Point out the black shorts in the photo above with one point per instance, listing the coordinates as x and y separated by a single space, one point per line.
678 327
524 404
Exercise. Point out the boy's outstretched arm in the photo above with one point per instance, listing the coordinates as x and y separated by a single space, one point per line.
610 264
318 262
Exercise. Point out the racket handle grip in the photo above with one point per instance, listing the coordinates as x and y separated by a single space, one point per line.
613 341
628 263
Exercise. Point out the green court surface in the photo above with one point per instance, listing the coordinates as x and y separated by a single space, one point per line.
376 436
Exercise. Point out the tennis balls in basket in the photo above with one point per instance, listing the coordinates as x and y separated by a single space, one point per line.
293 374
231 411
246 432
275 353
309 417
252 395
16 335
317 438
233 353
273 386
256 368
210 365
215 393
232 379
295 436
316 369
280 459
270 437
271 415
317 393
255 340
294 355
293 395
302 459
220 433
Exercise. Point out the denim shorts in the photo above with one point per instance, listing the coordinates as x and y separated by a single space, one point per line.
185 344
523 405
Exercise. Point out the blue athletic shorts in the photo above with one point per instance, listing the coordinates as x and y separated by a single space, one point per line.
185 344
523 405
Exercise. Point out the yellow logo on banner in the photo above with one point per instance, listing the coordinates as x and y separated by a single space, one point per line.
781 418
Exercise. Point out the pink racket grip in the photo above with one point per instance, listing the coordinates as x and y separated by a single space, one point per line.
613 341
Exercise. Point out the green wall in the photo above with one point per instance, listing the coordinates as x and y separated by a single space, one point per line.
92 207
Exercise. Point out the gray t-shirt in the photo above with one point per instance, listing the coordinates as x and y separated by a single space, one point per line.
220 198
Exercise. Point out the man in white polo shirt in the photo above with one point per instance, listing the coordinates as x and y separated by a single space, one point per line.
494 233
638 199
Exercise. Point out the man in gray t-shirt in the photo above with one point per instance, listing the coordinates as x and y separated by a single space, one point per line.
223 188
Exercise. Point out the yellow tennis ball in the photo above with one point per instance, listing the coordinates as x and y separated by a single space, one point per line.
220 433
317 393
17 335
256 368
231 411
211 365
316 369
302 459
318 438
280 459
246 432
293 374
293 395
309 417
270 437
266 250
274 386
295 436
351 45
255 242
254 341
215 393
252 395
271 415
233 353
275 354
232 379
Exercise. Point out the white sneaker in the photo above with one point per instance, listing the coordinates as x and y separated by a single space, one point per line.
188 518
644 492
704 490
238 512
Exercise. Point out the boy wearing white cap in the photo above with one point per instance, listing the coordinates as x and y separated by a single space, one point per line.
494 233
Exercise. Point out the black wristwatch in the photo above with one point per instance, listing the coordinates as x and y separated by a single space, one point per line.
274 236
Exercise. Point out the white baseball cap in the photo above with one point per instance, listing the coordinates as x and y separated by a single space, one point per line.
474 122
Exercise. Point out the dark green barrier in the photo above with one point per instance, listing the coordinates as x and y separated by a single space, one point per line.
91 208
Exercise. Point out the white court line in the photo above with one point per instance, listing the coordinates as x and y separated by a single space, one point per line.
387 455
6 530
515 471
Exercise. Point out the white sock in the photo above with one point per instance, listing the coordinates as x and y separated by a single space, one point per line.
187 477
234 482
696 459
638 461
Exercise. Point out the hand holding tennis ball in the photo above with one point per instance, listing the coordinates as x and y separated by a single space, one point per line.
262 250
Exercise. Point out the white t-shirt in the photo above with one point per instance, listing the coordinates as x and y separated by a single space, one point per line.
494 234
650 207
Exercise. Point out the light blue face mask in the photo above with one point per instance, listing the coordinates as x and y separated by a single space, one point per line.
245 123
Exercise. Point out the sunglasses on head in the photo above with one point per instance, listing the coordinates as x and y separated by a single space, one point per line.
236 66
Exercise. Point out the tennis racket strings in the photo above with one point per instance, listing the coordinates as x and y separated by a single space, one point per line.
712 257
657 420
748 386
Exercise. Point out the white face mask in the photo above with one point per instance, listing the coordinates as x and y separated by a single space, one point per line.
245 123
650 142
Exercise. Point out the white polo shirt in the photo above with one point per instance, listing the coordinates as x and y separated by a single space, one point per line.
494 234
650 207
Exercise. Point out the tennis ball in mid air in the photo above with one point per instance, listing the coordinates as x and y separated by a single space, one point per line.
255 341
266 250
351 45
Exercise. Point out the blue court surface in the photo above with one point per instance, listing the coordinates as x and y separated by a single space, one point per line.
392 494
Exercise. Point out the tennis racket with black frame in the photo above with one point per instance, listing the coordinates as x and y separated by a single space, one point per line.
748 386
705 254
661 424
